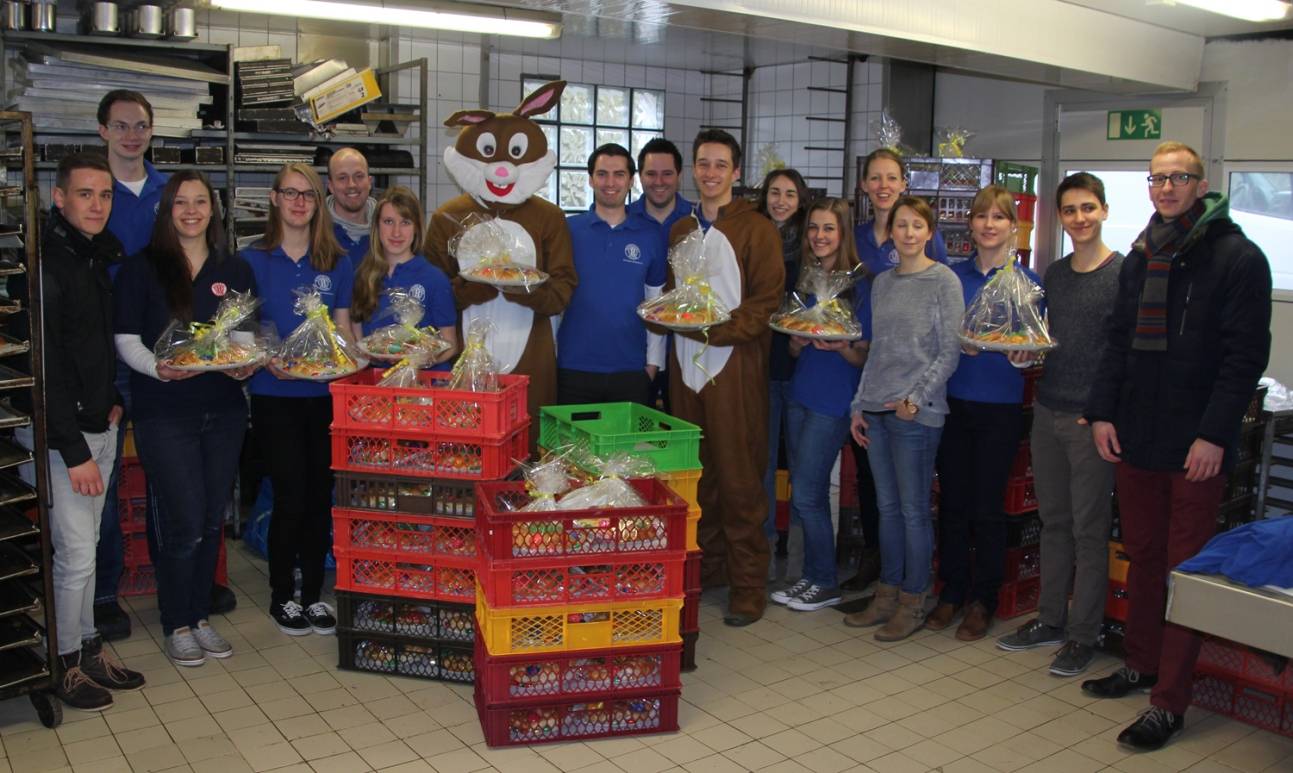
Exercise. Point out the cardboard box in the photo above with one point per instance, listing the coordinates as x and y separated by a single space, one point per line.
1212 604
338 98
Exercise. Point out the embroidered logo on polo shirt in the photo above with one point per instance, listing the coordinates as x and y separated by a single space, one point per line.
632 253
893 257
323 283
418 292
218 289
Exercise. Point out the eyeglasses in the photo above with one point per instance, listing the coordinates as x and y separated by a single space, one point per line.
121 127
291 194
1178 179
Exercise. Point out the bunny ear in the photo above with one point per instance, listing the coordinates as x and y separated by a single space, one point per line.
542 100
468 117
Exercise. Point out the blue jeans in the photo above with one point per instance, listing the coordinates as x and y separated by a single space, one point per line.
778 402
191 462
813 440
902 457
109 561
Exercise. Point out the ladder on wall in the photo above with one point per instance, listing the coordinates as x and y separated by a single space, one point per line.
839 111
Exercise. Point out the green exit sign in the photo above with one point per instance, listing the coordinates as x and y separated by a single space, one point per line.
1135 125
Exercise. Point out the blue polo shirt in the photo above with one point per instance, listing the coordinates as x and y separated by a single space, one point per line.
132 217
825 382
681 209
882 257
276 277
142 309
427 284
355 249
987 377
601 331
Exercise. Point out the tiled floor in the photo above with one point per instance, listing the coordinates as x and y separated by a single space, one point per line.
793 692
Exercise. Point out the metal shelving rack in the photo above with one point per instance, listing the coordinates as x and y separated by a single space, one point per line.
28 640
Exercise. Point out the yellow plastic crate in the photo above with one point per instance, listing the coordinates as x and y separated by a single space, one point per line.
685 484
783 485
693 524
1025 236
577 626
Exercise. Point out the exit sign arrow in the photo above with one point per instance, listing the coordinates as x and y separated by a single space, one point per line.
1135 125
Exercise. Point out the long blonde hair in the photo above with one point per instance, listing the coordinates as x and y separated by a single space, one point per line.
846 257
324 248
368 277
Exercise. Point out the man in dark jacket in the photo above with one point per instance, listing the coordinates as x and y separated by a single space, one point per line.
82 409
1189 336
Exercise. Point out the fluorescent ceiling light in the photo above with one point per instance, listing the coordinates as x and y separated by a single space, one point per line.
396 17
1248 10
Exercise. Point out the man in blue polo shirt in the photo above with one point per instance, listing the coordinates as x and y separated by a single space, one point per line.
350 201
660 170
126 126
604 352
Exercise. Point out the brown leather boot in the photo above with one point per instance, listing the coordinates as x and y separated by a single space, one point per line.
976 622
909 618
942 616
883 604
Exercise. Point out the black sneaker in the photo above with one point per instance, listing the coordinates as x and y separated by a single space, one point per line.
104 668
323 620
1072 659
222 600
1119 684
1030 635
78 690
290 618
1152 729
111 621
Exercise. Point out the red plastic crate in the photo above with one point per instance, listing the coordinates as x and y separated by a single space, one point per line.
1017 598
403 536
397 494
690 621
1023 464
359 404
1221 656
691 571
689 651
419 455
410 618
1023 530
1214 692
1259 706
1023 563
1020 496
1117 601
513 680
508 534
435 578
596 716
133 514
1275 674
583 579
133 483
848 477
402 656
134 549
1025 206
137 581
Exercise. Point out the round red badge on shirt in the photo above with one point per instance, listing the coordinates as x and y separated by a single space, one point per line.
218 289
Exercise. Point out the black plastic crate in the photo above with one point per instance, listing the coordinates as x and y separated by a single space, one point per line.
395 494
413 619
404 656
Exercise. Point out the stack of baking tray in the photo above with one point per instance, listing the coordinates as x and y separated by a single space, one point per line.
272 154
264 83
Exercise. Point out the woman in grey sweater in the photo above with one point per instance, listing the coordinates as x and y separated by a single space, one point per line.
898 411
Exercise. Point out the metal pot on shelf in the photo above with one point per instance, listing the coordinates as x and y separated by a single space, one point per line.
146 22
181 24
103 19
15 15
44 15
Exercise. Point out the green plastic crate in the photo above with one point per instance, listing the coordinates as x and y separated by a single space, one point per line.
1015 178
671 444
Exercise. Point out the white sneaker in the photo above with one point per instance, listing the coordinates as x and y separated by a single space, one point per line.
211 642
786 594
183 648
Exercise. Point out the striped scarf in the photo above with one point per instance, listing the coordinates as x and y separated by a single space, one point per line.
1160 241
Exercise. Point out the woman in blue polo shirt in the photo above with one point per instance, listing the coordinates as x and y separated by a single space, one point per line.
817 412
291 416
188 427
390 263
985 423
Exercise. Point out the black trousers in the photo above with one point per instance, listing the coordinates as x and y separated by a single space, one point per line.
979 444
293 435
578 387
866 497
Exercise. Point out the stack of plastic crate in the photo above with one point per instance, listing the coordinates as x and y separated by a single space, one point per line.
404 529
578 615
138 577
1240 682
672 445
1021 587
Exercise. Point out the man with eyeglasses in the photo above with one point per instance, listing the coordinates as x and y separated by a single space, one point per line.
1189 336
350 201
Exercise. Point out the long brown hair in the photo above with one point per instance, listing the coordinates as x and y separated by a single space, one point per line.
847 255
166 254
324 248
368 277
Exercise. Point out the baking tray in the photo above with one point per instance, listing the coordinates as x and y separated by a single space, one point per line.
18 597
15 525
14 490
10 418
14 562
10 378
